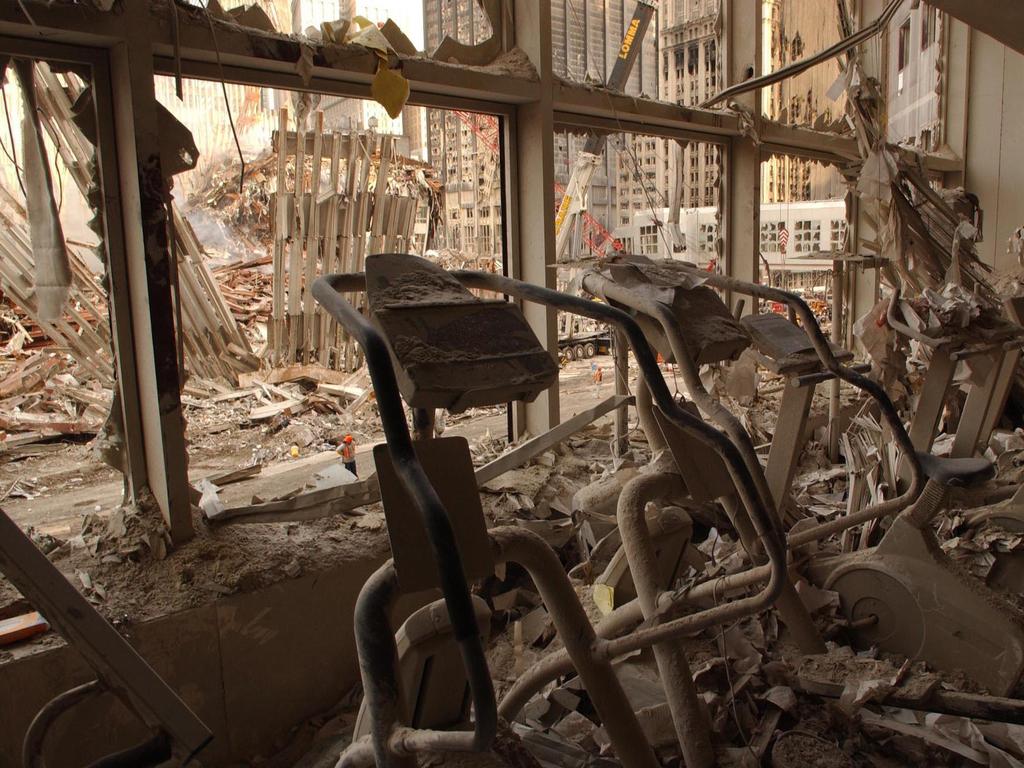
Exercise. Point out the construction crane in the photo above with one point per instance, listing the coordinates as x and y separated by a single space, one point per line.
594 233
485 128
476 122
572 206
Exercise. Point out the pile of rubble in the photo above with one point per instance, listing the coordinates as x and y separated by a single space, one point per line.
43 394
768 703
241 204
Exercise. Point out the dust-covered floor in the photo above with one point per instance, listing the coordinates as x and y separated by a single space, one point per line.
120 558
753 681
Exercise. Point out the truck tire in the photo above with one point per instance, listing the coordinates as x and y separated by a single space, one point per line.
590 350
581 353
570 353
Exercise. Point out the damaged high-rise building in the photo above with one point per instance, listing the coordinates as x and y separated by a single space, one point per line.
586 38
690 73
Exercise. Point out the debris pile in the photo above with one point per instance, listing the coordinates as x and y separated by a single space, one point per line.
44 394
214 346
244 215
767 702
366 200
246 285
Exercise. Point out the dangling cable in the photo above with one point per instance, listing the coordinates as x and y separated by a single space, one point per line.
13 155
227 104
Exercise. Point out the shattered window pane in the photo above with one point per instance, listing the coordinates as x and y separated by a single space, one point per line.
794 30
915 59
803 222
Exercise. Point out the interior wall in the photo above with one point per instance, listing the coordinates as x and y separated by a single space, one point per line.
253 666
995 143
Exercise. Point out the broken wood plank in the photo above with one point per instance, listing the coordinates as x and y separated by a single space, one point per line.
523 453
296 372
342 390
973 705
311 265
48 424
295 234
235 475
265 412
280 233
29 374
306 506
19 628
328 323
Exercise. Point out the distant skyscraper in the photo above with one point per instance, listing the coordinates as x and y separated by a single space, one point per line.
586 36
691 73
463 147
792 30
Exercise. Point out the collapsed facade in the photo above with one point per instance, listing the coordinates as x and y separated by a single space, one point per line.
299 469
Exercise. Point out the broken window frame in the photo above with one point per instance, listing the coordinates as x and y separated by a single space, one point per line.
525 103
116 208
929 25
902 53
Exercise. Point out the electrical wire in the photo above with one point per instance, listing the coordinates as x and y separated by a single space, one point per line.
867 33
656 220
28 16
60 178
581 25
227 103
7 154
728 680
10 132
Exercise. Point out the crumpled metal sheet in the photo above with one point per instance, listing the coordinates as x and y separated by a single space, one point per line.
53 268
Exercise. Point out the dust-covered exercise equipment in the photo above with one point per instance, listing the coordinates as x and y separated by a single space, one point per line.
392 741
904 595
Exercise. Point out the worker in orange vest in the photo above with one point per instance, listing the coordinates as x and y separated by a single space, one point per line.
347 449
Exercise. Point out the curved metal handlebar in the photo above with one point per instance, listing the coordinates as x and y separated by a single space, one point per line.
628 615
790 606
435 518
901 327
765 523
156 750
600 286
821 345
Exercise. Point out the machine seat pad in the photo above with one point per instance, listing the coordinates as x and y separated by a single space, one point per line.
956 473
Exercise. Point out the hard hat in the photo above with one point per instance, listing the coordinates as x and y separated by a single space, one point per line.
348 438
